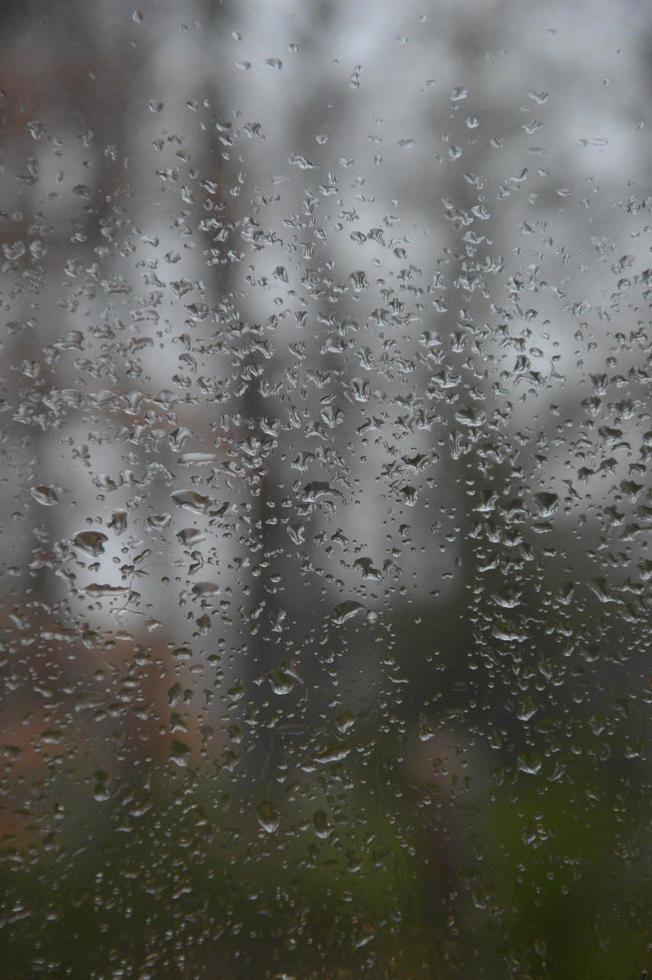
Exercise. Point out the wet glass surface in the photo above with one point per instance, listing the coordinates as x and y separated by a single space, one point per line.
325 500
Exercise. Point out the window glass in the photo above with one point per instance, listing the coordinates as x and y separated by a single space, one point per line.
325 495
